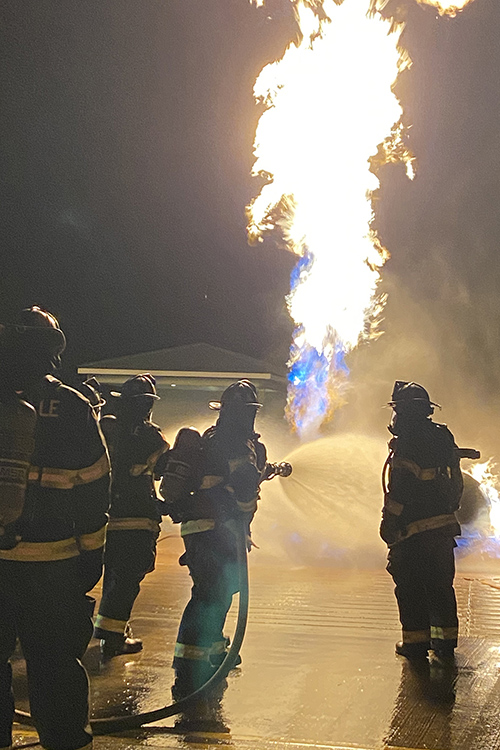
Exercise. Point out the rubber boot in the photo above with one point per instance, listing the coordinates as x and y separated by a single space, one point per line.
413 650
115 644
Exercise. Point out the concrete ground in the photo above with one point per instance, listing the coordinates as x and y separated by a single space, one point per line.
318 671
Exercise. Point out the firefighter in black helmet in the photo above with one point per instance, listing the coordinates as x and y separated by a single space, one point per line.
419 524
234 461
57 552
135 446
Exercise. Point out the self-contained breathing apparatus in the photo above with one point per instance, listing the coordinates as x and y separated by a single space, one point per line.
17 441
25 350
440 483
182 470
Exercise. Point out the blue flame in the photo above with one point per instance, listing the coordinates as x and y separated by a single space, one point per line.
310 370
475 540
302 269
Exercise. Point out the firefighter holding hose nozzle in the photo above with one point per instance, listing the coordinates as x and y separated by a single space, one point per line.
211 484
423 485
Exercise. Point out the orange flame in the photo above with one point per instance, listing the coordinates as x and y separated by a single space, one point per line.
485 474
331 120
446 8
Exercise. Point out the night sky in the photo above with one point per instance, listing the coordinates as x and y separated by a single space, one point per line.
126 150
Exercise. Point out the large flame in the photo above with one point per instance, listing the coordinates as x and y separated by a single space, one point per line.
331 120
485 474
444 7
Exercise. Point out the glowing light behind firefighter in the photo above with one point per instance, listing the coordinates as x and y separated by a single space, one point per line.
485 474
330 105
444 7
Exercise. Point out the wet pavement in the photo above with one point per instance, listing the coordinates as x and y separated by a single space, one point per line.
318 671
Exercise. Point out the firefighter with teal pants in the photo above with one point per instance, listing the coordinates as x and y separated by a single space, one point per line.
226 468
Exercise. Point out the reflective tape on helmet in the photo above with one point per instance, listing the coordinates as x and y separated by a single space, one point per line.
92 541
107 623
416 636
187 651
133 524
63 549
195 527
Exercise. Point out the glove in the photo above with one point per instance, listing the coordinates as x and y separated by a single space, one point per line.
9 538
390 530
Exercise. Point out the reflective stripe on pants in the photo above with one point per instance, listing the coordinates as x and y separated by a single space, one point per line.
423 569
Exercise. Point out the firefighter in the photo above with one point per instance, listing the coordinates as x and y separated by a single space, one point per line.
56 554
233 464
419 524
135 445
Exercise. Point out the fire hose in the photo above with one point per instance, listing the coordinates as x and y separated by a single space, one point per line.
122 723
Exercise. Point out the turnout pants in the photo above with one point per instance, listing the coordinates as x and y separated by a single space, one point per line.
423 569
211 557
128 557
43 605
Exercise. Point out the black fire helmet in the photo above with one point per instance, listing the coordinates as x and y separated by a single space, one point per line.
242 393
138 386
411 395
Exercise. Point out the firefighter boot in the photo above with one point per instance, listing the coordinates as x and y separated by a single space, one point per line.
413 650
116 644
190 675
444 648
219 651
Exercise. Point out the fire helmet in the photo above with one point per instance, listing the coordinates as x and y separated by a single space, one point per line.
409 395
91 389
240 394
36 331
139 386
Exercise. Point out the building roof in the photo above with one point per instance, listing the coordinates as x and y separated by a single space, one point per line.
192 361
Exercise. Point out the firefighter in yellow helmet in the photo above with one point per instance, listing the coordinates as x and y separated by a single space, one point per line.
419 524
55 554
135 446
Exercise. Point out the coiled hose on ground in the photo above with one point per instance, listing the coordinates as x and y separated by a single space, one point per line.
122 723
